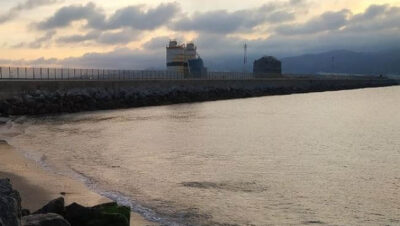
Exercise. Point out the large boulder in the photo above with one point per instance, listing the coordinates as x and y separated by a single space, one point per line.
54 206
113 208
101 215
10 204
50 219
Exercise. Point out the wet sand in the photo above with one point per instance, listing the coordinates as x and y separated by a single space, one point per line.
38 186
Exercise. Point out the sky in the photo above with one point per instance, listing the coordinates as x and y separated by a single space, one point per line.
132 34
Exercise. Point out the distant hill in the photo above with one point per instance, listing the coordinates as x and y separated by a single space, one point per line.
344 62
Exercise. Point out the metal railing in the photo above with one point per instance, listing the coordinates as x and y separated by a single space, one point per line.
32 73
42 73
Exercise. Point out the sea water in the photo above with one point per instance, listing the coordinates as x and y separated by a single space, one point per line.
319 158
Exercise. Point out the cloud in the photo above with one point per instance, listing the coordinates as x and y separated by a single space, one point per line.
325 22
133 17
79 38
225 22
120 58
66 15
375 18
27 5
37 43
122 37
109 37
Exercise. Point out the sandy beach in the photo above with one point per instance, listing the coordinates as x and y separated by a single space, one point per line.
38 186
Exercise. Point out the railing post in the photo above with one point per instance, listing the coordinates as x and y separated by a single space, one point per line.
48 73
41 74
1 72
17 72
9 72
33 69
74 73
62 73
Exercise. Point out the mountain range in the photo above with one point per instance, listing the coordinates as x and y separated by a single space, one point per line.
344 62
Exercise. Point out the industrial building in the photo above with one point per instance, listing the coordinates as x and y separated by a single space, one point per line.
267 66
184 59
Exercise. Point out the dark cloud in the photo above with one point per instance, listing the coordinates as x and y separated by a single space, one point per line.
136 18
223 21
133 17
326 22
375 18
79 38
108 37
66 15
27 5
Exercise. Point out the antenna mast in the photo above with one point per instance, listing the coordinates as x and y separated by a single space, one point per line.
245 56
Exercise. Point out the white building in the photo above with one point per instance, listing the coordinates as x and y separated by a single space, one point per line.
178 56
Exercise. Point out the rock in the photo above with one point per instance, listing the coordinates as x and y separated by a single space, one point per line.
77 214
114 208
50 219
10 204
101 215
25 212
54 206
4 120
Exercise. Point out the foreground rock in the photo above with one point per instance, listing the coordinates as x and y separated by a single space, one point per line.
56 214
50 219
10 205
101 215
56 206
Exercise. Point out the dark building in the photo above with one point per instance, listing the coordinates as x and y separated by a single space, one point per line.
196 68
267 65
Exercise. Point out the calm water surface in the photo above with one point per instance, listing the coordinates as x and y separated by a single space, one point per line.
322 158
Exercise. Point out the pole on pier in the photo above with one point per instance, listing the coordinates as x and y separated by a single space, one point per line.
1 72
26 73
48 73
9 72
41 74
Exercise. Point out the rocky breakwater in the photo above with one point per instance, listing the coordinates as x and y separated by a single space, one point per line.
77 100
34 99
55 213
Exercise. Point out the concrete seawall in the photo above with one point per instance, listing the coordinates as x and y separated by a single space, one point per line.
46 96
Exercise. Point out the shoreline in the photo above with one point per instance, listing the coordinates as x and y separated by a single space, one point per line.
37 186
